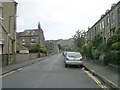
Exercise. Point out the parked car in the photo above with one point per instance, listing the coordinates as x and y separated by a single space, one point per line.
64 53
73 58
24 51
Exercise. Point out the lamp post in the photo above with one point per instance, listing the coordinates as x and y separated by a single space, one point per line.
10 37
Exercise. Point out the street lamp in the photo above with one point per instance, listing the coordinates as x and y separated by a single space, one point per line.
9 37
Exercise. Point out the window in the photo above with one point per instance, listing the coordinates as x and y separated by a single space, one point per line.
119 15
23 43
108 21
33 33
112 18
102 24
32 43
23 40
27 32
32 40
1 14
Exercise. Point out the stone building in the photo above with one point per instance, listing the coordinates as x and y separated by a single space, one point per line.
52 46
107 25
9 26
1 42
31 37
9 12
1 19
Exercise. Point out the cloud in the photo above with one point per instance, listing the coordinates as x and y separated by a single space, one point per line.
61 15
20 21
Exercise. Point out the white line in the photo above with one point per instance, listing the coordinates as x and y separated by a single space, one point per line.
19 69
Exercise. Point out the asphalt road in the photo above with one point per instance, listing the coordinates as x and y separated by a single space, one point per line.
49 73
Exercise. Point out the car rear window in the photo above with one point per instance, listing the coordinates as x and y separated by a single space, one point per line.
74 55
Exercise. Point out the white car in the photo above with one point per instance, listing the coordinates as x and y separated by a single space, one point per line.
73 58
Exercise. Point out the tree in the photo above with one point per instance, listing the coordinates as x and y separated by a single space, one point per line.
42 48
86 50
38 48
34 49
79 38
97 40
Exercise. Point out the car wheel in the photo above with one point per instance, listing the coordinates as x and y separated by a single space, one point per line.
80 66
65 65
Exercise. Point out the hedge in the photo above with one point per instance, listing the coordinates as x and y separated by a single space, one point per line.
113 57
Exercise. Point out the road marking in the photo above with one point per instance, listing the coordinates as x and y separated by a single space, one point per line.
19 69
10 72
7 74
96 80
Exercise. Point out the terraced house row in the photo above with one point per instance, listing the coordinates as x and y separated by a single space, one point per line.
107 25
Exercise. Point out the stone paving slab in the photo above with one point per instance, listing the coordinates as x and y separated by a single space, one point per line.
108 72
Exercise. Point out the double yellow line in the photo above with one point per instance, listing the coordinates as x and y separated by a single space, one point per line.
1 76
96 80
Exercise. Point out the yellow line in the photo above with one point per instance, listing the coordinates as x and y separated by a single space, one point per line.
7 74
10 73
96 80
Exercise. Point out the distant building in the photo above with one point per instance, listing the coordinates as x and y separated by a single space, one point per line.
52 46
107 25
31 37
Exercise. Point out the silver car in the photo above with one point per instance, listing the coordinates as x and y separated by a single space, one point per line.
73 58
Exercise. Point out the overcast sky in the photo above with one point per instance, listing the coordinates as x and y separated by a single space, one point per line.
60 19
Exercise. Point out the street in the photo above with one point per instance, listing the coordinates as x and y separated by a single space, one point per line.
49 73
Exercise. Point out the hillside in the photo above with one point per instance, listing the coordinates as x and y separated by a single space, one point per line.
67 44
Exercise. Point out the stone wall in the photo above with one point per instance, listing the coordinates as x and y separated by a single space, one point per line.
20 58
25 57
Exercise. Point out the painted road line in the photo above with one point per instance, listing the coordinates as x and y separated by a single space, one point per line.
7 74
96 80
10 72
19 69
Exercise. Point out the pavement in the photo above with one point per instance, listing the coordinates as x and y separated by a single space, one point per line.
108 73
12 67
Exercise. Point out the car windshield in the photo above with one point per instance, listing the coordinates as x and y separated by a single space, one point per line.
74 55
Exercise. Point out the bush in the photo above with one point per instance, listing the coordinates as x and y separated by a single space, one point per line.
113 57
95 53
34 49
86 50
97 40
115 46
113 39
102 47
